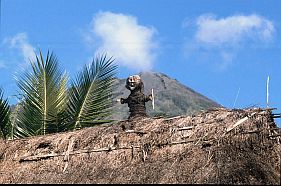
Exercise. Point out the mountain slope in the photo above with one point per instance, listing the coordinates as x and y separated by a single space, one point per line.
171 97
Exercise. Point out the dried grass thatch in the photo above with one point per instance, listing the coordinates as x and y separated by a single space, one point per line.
219 146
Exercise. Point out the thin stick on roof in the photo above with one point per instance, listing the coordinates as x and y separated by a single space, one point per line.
236 97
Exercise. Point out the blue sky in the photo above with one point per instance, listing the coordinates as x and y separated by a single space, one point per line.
223 49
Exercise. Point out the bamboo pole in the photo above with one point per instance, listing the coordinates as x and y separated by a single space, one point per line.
236 97
152 99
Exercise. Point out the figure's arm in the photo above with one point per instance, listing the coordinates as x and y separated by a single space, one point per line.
123 100
148 98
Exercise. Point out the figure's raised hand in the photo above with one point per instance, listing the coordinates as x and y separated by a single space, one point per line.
122 100
150 97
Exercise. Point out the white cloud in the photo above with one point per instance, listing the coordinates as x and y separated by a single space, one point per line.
131 44
233 29
220 40
20 42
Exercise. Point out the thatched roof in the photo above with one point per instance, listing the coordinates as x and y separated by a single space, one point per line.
219 146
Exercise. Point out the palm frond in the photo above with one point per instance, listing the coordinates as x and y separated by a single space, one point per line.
22 115
90 94
4 116
44 93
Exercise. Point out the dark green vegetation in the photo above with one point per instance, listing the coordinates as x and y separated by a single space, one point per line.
4 115
171 97
49 106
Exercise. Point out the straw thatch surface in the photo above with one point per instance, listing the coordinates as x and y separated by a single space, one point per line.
219 146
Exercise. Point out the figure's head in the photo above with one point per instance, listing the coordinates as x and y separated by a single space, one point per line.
134 83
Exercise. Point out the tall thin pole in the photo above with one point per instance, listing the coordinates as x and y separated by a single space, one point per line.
267 92
152 99
236 97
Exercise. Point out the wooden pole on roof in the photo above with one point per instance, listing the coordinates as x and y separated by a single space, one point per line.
152 93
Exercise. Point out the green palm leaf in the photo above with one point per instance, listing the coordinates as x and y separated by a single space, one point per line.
16 131
44 93
4 116
90 95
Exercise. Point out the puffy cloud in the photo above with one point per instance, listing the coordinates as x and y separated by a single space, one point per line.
131 44
220 40
233 29
20 41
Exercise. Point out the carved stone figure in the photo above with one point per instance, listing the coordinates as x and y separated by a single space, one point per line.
136 100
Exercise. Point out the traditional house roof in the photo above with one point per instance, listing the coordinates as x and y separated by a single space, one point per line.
239 146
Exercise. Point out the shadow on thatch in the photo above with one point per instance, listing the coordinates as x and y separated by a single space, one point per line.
217 146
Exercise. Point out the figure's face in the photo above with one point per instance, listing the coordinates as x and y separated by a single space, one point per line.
133 82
